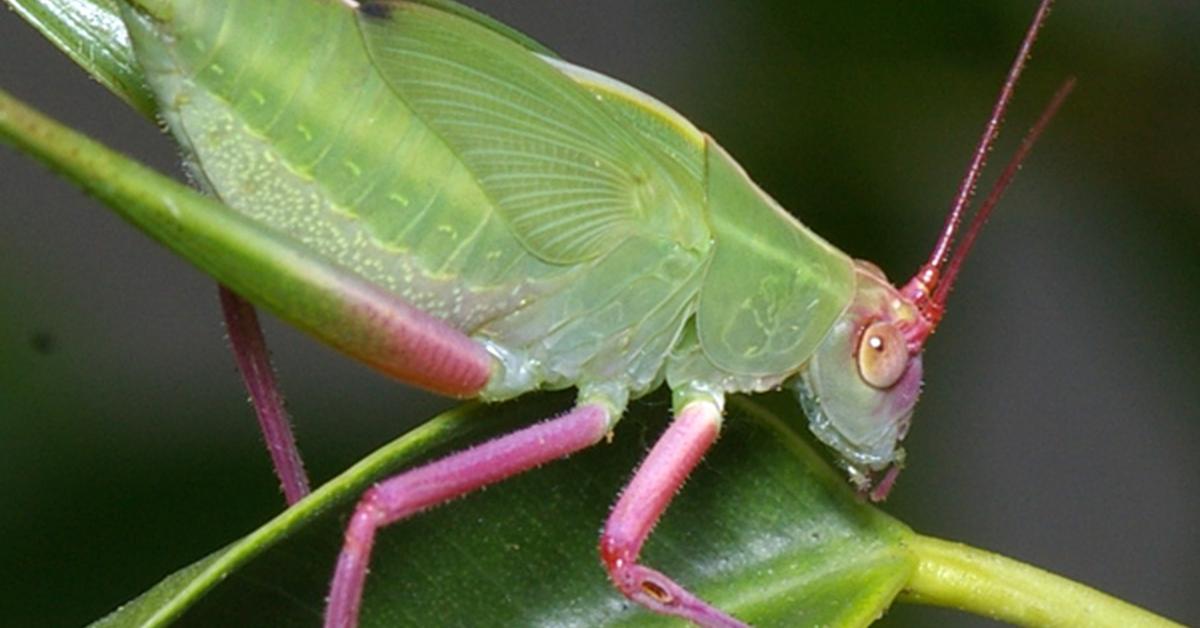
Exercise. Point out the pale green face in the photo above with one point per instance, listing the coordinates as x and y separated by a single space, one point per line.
860 386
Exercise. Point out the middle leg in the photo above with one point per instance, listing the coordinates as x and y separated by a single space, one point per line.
440 481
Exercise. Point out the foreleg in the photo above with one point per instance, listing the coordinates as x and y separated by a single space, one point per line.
656 481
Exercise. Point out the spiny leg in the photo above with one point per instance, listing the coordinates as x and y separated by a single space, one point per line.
369 323
254 364
643 501
437 482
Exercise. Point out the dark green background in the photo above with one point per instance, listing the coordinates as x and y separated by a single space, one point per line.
1060 419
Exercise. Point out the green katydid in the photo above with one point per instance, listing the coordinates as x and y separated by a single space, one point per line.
457 219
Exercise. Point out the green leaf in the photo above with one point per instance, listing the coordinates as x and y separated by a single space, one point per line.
92 34
763 529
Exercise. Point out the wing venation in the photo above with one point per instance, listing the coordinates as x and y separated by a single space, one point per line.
570 180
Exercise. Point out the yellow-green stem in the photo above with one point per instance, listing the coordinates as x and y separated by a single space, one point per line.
958 576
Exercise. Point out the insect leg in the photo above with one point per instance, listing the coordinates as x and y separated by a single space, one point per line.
437 482
656 481
254 364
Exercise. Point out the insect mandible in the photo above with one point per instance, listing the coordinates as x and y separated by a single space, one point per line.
461 212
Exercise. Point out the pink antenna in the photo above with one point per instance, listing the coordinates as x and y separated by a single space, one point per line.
998 189
921 287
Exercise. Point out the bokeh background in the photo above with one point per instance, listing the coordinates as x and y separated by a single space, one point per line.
1061 419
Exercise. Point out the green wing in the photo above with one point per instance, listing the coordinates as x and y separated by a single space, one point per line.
571 181
469 14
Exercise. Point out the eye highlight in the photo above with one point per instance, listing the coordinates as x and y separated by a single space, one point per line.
882 355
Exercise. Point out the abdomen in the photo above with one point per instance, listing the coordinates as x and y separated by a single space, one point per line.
283 116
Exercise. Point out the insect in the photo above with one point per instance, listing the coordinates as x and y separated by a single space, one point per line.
480 264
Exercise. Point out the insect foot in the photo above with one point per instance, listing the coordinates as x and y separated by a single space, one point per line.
656 481
661 594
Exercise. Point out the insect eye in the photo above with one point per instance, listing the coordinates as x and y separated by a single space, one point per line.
882 355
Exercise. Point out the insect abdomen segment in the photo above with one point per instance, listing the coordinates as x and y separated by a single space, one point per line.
316 146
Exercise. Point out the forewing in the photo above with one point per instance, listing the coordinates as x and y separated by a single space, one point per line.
472 15
570 180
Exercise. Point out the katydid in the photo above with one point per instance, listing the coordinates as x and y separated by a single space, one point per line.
441 198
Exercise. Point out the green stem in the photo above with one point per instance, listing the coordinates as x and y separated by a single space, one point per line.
93 35
958 576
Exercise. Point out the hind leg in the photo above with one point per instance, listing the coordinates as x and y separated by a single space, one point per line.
254 365
382 330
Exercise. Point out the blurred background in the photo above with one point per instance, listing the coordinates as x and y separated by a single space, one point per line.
1060 421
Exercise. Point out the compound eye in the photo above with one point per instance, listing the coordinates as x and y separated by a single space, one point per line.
882 355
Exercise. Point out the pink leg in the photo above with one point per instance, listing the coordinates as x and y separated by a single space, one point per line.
881 490
442 480
657 480
250 351
371 324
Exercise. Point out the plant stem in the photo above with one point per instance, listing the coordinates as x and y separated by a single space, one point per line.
958 576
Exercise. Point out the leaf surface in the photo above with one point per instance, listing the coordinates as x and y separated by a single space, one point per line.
92 34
